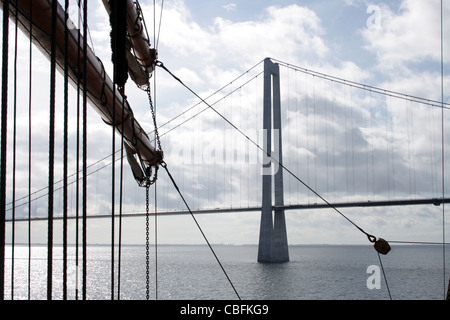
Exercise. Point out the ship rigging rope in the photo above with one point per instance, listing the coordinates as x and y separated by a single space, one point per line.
91 165
443 151
14 156
119 258
84 148
65 152
30 75
160 21
164 165
147 244
77 194
384 276
369 236
444 106
150 181
51 153
3 143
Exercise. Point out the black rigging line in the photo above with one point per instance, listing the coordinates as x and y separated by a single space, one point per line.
384 275
14 158
369 236
156 203
160 20
51 152
115 20
443 140
77 193
207 107
157 141
65 152
416 242
76 174
113 190
4 145
118 46
147 243
120 203
157 137
29 150
84 184
164 165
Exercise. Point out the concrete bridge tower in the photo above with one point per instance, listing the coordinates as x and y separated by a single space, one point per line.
273 245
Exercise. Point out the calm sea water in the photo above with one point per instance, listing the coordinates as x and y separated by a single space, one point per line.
191 272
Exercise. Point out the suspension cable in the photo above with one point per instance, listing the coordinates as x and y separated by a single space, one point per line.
369 88
380 245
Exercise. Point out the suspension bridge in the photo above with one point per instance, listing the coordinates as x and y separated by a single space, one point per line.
278 138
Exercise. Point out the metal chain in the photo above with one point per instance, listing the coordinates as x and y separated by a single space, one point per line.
152 109
147 266
150 181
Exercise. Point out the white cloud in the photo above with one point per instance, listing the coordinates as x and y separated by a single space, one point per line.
208 57
295 34
291 33
285 33
411 35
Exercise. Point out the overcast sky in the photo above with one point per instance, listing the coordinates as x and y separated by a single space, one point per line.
381 147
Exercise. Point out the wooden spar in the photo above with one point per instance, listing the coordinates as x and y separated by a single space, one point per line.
99 85
144 54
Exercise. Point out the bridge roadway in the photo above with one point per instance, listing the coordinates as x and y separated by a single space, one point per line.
382 203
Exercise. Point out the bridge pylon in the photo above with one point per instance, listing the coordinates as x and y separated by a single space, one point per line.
273 245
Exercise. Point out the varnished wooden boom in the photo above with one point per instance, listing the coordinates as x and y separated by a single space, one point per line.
104 97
